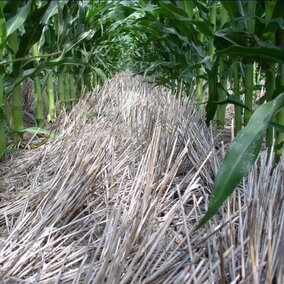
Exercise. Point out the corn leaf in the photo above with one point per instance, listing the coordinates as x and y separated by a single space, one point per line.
100 73
232 8
211 106
18 20
37 130
46 65
50 11
265 51
242 154
3 27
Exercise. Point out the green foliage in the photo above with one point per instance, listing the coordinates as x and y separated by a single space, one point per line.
35 130
175 48
71 37
242 153
16 21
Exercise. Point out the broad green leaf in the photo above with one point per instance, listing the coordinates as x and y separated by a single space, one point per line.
32 34
203 27
204 61
232 8
81 19
3 29
173 31
148 8
232 101
173 12
277 126
50 11
226 38
38 130
18 20
278 21
269 52
188 6
100 73
42 40
87 35
278 11
2 113
60 19
159 63
43 66
242 154
93 114
211 106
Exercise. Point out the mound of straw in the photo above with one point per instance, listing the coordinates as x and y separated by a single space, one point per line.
116 196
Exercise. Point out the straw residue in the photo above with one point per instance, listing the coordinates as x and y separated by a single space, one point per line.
115 198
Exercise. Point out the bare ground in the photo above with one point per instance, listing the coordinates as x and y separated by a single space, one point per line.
115 199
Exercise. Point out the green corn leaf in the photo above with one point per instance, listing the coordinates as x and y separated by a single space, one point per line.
270 25
100 73
93 114
3 27
171 11
33 31
242 154
225 38
2 113
191 67
87 35
211 106
43 66
35 130
203 27
81 19
277 126
50 11
18 20
232 101
45 34
265 51
159 63
232 8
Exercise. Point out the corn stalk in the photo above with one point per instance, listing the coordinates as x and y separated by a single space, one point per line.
51 116
221 110
38 93
3 34
249 69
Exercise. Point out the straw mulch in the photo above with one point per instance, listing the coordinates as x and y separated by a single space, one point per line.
115 199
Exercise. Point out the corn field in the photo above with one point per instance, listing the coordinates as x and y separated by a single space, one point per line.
141 141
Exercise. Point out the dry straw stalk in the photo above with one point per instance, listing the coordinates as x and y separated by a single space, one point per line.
116 197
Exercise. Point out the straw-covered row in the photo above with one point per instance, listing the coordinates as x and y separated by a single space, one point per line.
115 198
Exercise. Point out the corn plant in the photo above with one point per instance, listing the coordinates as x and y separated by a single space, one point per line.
50 42
3 34
240 39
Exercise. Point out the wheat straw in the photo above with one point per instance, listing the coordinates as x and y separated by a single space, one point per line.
115 198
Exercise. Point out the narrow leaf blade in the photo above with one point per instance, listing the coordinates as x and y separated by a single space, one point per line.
18 20
242 154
